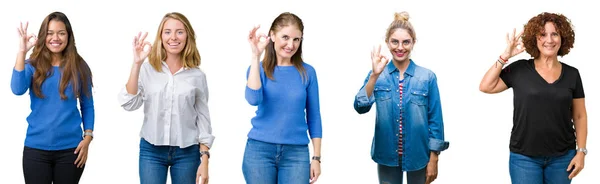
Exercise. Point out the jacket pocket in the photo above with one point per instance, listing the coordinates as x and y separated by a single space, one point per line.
382 93
418 97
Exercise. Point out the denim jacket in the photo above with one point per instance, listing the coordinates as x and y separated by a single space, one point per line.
423 127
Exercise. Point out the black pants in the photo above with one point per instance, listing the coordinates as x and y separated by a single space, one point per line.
46 167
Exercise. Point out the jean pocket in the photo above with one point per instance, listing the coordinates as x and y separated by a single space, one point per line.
382 93
418 97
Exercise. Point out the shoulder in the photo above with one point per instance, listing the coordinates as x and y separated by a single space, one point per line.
569 68
424 72
309 68
520 63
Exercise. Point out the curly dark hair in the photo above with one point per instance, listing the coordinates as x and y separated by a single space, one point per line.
535 27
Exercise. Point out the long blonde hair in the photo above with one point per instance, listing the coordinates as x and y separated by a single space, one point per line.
190 55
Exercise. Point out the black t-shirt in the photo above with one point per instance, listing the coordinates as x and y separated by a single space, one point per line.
542 116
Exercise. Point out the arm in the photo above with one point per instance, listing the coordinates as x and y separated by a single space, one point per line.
131 97
435 122
313 111
254 90
364 99
580 121
21 76
203 123
491 82
86 103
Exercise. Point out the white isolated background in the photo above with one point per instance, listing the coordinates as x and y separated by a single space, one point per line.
459 40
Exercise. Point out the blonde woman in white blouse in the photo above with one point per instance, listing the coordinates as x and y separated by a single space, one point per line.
176 133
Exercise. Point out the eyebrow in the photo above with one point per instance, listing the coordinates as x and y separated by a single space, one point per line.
393 39
175 29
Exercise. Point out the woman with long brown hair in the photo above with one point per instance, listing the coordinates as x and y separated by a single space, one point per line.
57 78
176 133
286 91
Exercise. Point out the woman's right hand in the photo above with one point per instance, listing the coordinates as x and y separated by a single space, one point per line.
257 45
378 61
139 44
514 45
25 39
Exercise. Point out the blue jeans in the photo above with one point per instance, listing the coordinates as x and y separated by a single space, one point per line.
540 170
266 163
156 160
393 175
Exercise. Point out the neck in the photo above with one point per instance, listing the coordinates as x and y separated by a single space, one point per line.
56 59
401 65
173 60
546 62
284 61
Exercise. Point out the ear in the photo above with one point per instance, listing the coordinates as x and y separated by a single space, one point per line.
272 36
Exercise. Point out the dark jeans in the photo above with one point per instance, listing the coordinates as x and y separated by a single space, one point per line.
46 167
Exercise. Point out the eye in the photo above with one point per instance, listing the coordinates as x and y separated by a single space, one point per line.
296 39
167 32
180 32
554 34
285 37
63 34
406 42
395 42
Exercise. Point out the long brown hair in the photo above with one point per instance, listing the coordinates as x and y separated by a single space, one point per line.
190 55
74 69
270 58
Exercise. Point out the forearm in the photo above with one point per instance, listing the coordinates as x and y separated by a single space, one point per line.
581 131
254 74
491 77
433 157
132 83
20 63
204 148
316 146
371 84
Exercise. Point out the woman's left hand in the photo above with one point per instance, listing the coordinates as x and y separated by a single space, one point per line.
315 171
82 152
576 164
202 174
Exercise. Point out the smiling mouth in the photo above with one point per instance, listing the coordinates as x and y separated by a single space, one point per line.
399 53
53 44
174 44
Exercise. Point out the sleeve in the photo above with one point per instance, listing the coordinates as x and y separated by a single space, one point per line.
436 121
508 73
131 102
86 103
362 102
203 120
313 110
578 92
21 80
254 97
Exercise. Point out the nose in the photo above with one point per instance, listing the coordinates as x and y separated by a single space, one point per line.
173 37
290 43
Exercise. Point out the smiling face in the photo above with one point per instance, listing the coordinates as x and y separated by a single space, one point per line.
400 44
548 42
174 37
57 37
287 41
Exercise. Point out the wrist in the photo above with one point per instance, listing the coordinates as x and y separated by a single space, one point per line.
317 158
504 57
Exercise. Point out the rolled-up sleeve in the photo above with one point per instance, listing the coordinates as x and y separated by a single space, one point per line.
131 102
436 122
203 121
362 102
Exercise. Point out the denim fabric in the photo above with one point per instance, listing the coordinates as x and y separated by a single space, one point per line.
540 169
423 128
155 161
267 163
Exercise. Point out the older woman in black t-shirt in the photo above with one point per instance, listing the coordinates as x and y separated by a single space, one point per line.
545 147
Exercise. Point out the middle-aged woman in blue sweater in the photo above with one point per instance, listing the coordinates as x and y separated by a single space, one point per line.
283 86
57 78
